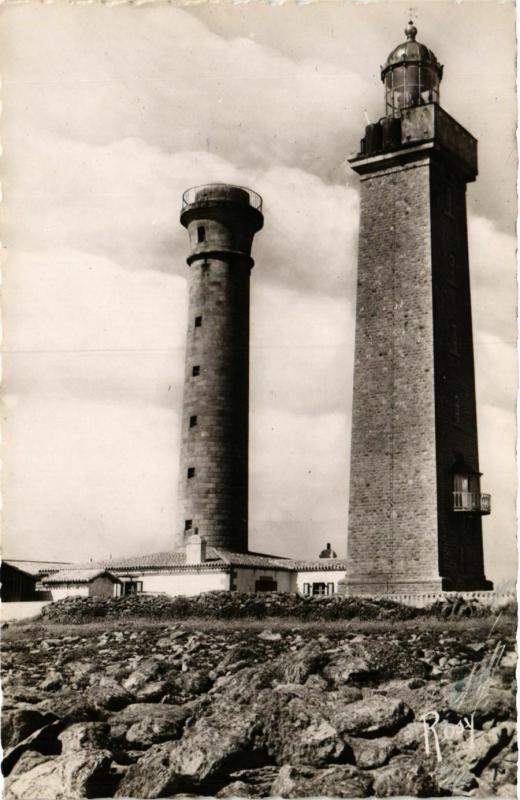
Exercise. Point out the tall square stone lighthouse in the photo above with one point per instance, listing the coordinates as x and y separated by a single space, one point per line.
415 496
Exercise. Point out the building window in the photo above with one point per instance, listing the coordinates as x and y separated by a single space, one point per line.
198 322
201 233
191 472
195 371
456 409
132 587
319 588
306 589
266 584
454 339
330 588
188 524
193 421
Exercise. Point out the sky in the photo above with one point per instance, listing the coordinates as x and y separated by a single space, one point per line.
109 114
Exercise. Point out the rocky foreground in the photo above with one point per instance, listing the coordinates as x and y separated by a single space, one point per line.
251 710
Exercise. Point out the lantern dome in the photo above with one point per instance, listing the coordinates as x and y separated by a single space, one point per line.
411 75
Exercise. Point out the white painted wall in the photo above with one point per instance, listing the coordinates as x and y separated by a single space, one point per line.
184 583
319 576
245 580
59 592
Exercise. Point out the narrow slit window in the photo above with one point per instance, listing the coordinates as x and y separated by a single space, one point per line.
193 421
188 524
198 322
191 472
195 371
201 233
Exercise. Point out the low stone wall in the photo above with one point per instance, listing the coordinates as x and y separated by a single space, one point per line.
424 599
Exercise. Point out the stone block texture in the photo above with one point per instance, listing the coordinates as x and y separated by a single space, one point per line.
410 363
213 479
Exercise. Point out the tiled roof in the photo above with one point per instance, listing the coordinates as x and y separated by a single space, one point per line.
163 559
75 576
36 567
215 556
253 560
320 564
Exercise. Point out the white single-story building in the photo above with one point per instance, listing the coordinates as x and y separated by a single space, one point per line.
82 583
199 568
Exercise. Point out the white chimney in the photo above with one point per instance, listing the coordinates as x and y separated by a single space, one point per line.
195 549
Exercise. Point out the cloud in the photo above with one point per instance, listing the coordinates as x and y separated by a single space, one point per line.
299 482
99 476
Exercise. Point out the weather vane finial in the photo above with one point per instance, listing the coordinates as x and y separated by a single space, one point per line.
410 31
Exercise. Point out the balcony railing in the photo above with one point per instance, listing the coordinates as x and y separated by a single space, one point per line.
472 502
221 191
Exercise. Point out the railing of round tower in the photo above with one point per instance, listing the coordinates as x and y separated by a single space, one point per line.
221 192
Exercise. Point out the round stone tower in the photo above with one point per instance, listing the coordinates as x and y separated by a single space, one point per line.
213 484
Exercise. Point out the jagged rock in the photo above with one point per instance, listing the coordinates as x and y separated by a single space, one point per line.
147 670
194 682
52 682
85 736
297 667
336 781
19 723
404 775
154 775
411 736
374 715
151 692
44 741
316 681
347 694
75 775
153 730
108 695
373 753
27 761
259 780
71 706
484 747
297 733
238 789
354 662
250 783
222 740
484 702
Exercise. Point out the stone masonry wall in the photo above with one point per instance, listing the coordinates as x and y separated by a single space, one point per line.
460 534
215 407
393 492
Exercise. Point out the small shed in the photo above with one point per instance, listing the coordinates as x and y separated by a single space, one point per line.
17 584
82 583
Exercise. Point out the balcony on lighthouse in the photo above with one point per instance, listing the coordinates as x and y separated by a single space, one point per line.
467 497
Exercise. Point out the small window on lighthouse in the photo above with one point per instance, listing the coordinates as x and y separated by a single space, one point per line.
188 524
195 371
201 233
191 472
198 322
193 421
